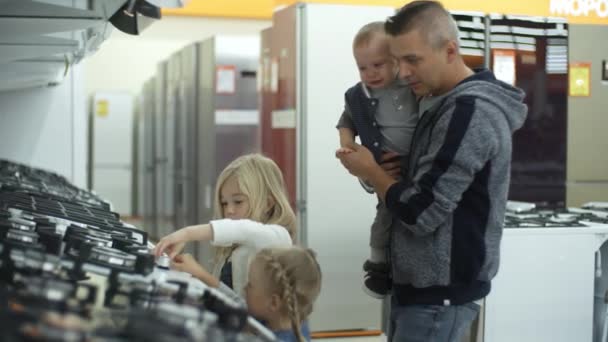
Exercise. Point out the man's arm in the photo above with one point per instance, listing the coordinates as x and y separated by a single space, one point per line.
462 144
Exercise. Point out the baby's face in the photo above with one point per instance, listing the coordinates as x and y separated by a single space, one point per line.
377 67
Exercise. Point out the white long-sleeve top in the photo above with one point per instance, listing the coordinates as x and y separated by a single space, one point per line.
251 236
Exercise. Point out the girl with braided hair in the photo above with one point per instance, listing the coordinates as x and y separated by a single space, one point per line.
252 212
283 285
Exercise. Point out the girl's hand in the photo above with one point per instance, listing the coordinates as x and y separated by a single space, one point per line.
186 263
172 244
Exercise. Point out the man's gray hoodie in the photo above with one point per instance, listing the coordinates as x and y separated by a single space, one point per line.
449 212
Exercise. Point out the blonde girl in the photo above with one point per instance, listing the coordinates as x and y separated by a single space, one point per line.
282 288
252 212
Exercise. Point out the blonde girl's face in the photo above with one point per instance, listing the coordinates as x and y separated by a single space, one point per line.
235 204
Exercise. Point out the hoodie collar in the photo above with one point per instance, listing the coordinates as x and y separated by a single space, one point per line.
481 74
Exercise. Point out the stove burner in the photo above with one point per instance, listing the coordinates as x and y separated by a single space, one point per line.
597 206
51 240
37 261
22 236
75 242
10 224
23 222
113 258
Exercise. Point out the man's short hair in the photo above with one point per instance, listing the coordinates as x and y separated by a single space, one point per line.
427 16
368 32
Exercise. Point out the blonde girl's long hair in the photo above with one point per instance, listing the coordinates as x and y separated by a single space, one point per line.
260 179
293 274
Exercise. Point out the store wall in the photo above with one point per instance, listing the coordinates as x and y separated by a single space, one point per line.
125 62
588 120
47 127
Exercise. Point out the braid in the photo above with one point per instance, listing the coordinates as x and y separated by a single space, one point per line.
294 314
288 293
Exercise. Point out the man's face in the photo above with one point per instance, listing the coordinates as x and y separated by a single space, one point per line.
421 66
375 63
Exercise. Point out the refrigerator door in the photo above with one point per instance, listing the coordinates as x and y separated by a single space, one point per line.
335 213
205 140
166 160
532 54
236 116
149 184
183 91
279 95
112 148
228 119
160 146
188 95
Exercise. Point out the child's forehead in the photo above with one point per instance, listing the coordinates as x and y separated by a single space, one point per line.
230 187
377 49
231 193
376 39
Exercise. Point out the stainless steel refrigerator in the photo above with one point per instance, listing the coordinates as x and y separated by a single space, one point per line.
307 65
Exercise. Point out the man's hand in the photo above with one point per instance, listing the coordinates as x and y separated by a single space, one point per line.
391 163
359 162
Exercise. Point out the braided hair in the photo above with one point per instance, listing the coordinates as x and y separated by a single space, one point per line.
294 274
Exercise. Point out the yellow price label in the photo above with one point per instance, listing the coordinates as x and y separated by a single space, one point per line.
580 79
101 108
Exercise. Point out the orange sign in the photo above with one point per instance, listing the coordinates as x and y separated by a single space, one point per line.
503 65
575 11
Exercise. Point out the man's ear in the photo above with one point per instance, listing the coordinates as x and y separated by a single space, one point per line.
451 50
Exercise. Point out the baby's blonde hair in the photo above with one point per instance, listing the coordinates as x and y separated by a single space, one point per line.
295 275
368 32
260 179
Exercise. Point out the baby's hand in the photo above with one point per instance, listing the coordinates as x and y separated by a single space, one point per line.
344 150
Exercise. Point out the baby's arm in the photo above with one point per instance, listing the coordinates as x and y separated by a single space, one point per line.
347 137
346 129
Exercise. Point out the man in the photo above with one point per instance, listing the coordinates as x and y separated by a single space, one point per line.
448 210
